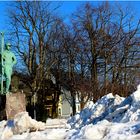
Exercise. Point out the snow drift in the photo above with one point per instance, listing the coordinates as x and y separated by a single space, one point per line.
111 116
110 108
22 123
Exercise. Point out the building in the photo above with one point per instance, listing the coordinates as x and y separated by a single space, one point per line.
65 104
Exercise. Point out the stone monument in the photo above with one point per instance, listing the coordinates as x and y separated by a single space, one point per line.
15 102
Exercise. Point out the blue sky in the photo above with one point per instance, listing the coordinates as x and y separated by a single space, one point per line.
67 7
2 15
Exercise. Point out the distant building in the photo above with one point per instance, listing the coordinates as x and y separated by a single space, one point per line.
65 104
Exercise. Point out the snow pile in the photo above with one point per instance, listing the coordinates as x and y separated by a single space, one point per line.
105 130
136 95
21 123
111 117
102 109
40 134
111 108
133 114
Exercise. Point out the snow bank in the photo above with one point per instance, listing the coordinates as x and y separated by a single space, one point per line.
111 117
22 123
133 113
94 113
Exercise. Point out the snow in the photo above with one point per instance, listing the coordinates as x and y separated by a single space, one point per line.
111 118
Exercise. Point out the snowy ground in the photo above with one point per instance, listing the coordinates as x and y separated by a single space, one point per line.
110 118
54 129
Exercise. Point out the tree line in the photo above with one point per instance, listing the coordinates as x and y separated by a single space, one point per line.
95 53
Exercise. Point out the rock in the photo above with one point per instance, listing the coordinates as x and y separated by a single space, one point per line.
15 103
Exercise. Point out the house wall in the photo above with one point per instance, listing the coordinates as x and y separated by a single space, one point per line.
65 104
66 109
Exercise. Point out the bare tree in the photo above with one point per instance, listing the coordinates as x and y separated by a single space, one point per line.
111 45
31 24
33 27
